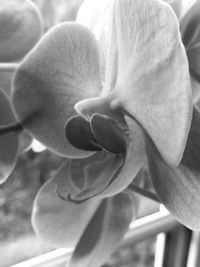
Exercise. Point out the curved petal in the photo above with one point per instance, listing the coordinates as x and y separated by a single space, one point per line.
9 141
135 157
105 231
59 222
91 176
153 82
179 188
62 69
20 28
177 6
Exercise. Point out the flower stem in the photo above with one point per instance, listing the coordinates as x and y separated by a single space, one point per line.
143 192
13 127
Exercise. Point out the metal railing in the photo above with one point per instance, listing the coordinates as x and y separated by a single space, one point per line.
141 229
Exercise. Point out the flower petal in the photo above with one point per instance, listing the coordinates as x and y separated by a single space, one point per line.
9 141
179 188
91 176
105 231
20 28
177 6
59 222
61 70
153 82
135 157
98 17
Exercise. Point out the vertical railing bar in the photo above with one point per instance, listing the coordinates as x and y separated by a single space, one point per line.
194 251
177 246
159 250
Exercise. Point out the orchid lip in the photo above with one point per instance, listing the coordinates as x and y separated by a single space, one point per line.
101 132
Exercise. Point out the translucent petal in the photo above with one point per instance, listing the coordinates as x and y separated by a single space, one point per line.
105 231
20 28
98 17
61 70
91 176
59 222
153 83
8 142
179 188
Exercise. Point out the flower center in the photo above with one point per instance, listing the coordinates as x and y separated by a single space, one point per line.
101 132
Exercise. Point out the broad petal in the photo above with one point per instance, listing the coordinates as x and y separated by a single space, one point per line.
61 70
59 222
98 17
105 231
153 82
179 188
20 28
9 141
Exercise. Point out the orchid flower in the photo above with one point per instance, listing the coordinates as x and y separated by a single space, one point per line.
117 111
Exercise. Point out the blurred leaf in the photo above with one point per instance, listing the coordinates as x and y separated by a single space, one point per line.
8 142
25 141
190 32
61 70
59 222
179 188
105 231
20 28
57 11
153 83
6 81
